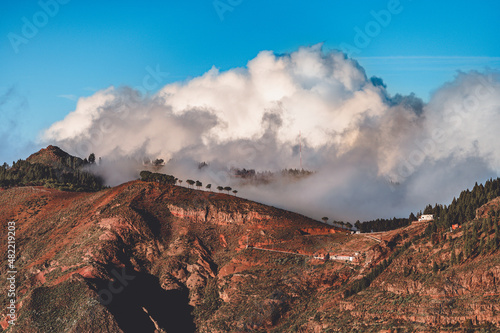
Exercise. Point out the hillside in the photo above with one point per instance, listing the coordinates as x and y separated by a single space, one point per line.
144 257
53 168
55 157
173 239
148 256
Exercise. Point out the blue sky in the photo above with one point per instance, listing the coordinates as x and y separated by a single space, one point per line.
79 47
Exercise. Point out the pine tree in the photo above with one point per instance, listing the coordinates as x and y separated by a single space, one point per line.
412 217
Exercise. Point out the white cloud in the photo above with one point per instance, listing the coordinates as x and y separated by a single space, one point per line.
360 141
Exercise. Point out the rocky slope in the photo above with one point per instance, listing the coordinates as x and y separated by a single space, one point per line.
135 258
145 257
55 157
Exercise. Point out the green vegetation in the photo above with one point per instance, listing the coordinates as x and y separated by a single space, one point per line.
56 158
296 172
211 301
383 224
24 173
464 208
365 281
92 158
60 308
148 176
265 177
161 178
460 210
270 292
480 236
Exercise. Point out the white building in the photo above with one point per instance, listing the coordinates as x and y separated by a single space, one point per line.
426 217
343 258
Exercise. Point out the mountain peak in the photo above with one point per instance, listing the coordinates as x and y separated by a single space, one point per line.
53 148
55 157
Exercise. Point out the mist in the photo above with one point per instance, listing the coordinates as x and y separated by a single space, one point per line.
373 155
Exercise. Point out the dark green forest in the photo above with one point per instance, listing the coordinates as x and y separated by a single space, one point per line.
70 176
383 224
148 176
481 235
464 208
470 238
458 212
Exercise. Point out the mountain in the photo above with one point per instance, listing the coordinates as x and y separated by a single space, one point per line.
53 168
55 157
151 257
172 240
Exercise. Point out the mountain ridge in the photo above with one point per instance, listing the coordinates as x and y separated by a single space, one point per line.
151 257
55 157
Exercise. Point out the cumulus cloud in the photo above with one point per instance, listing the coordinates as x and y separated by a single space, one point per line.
374 155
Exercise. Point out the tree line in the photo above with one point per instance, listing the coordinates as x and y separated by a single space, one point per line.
480 236
384 224
464 208
374 225
161 178
460 210
265 177
69 177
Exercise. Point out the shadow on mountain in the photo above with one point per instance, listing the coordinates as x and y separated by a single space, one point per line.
140 305
153 223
